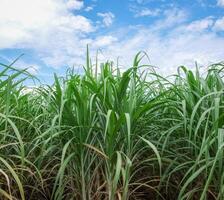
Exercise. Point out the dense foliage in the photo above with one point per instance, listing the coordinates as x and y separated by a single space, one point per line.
112 135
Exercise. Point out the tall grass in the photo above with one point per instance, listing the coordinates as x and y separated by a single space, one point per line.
112 135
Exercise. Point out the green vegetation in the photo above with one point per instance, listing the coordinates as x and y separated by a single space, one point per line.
112 135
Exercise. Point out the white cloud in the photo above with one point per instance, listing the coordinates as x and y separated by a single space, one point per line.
168 50
27 18
59 37
171 18
108 18
147 12
220 3
104 41
74 4
88 8
171 51
219 24
48 27
198 25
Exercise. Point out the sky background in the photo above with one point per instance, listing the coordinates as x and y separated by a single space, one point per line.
53 34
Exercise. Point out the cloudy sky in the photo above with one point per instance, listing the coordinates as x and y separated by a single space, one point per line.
53 34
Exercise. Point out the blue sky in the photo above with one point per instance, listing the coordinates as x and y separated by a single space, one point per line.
53 34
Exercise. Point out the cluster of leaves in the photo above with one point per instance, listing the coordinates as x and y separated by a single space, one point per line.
112 135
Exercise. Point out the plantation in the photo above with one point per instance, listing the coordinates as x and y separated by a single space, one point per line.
111 135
